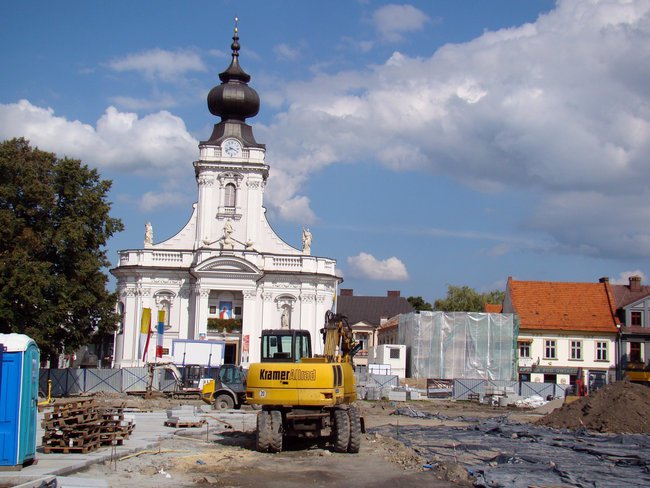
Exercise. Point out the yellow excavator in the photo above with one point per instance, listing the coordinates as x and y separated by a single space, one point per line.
304 396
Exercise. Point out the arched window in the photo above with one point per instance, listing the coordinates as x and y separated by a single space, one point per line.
230 199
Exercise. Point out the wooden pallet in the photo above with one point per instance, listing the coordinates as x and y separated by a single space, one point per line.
70 450
184 424
80 427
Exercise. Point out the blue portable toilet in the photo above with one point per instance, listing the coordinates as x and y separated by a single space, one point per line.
19 362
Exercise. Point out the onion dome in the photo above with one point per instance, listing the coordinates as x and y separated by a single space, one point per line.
233 99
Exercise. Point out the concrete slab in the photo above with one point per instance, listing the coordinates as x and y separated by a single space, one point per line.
149 431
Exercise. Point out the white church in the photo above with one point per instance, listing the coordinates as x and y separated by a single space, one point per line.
227 262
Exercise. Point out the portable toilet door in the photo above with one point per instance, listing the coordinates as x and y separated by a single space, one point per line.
19 362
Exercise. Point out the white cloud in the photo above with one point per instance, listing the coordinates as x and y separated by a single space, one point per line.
286 52
624 277
165 101
160 64
120 140
393 20
367 266
559 106
151 201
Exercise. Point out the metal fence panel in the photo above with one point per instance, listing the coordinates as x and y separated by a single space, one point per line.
43 378
464 387
134 379
529 388
59 378
105 380
75 379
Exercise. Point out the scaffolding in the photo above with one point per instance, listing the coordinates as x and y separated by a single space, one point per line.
459 345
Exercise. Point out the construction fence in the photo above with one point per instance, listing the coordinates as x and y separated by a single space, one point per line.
459 345
76 381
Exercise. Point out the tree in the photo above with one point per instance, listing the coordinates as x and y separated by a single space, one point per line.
466 299
54 224
419 304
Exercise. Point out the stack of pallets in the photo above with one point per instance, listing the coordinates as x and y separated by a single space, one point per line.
80 427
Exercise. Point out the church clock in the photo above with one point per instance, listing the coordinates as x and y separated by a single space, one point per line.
231 148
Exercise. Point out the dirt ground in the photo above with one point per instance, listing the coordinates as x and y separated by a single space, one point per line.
229 459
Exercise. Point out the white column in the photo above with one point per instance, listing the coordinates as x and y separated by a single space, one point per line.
267 312
204 210
251 327
200 312
307 312
254 189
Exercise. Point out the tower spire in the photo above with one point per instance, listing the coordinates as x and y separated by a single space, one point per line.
234 100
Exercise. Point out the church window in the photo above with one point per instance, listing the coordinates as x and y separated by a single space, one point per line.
230 195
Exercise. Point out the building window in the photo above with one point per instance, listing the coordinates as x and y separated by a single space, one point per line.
601 351
524 349
636 319
230 195
550 349
394 353
576 350
635 352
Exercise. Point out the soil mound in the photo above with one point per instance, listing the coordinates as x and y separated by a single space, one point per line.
620 407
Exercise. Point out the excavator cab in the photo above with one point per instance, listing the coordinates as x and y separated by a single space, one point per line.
285 345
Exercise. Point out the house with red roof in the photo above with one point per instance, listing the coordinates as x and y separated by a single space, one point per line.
632 303
565 330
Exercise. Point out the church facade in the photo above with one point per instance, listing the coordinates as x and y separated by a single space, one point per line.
226 262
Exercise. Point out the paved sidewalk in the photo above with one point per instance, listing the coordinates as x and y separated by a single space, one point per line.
50 470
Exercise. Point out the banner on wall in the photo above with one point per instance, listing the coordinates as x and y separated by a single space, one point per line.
161 333
145 332
225 310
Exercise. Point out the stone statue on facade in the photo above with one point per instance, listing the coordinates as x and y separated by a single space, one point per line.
284 319
227 235
148 235
306 241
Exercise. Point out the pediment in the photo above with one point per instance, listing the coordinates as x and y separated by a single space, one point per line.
227 266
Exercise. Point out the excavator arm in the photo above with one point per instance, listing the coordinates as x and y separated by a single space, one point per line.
340 345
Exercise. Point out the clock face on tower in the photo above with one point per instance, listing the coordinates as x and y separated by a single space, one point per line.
231 148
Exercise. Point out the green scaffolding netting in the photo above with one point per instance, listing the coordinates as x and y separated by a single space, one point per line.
459 345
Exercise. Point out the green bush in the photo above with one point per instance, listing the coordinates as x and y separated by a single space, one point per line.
229 325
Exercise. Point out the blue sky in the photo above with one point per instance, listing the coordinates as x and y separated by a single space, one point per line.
425 143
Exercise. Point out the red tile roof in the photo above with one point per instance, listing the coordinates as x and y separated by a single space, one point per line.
493 307
587 307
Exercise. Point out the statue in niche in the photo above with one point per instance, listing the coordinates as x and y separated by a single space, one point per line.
227 235
284 319
148 235
306 241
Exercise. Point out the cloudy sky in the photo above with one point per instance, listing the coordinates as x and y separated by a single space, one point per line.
424 143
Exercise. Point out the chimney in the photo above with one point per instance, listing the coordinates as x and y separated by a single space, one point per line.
347 292
604 279
393 293
635 283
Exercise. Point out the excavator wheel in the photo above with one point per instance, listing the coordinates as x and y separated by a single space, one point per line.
341 431
223 402
264 431
355 430
276 431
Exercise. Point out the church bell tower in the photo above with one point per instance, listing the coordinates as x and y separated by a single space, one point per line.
231 173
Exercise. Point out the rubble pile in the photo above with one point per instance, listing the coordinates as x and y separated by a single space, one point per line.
620 407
